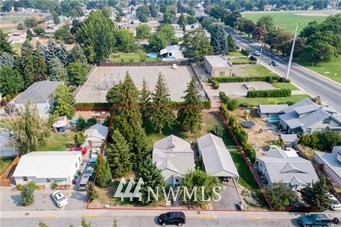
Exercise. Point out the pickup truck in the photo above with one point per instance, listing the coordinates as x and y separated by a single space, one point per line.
315 220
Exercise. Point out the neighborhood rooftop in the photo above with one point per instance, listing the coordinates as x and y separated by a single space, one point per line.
269 109
217 61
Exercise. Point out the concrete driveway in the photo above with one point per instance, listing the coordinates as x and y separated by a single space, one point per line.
10 200
229 197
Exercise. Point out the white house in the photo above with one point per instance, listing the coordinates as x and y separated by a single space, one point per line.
174 157
171 53
48 167
216 158
40 94
96 135
7 146
216 65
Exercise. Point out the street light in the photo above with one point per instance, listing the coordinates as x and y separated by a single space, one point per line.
292 52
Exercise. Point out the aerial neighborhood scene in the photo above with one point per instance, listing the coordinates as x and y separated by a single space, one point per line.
170 112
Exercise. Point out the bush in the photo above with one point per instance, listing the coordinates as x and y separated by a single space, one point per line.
20 187
252 58
224 98
131 60
32 184
215 84
246 52
54 185
27 195
283 80
269 93
80 124
91 121
91 192
122 59
231 79
218 130
250 152
232 104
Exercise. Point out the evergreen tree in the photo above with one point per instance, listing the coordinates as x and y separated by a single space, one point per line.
145 102
182 20
27 195
77 73
219 40
151 177
162 115
231 43
316 195
39 66
118 153
64 100
7 59
190 117
139 146
280 196
76 54
103 174
5 46
57 70
27 63
11 82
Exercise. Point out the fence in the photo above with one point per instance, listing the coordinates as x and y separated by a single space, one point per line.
201 85
4 180
168 63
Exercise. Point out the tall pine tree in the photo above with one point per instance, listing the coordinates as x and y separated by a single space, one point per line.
39 66
27 63
57 70
103 173
162 114
190 116
316 195
145 101
219 40
118 154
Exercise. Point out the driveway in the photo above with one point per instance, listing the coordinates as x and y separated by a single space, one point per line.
229 197
10 200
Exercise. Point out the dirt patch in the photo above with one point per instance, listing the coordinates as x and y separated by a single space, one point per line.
10 25
89 114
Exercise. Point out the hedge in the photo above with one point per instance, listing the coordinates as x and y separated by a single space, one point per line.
231 79
215 84
224 98
284 92
232 104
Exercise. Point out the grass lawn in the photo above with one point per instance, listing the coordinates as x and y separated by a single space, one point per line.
59 142
235 54
240 60
257 70
4 163
286 85
286 20
331 69
264 101
129 57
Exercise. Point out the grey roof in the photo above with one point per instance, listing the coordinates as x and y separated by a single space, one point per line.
306 109
312 118
38 92
217 61
330 159
289 138
217 159
175 154
303 102
337 117
291 119
98 131
272 109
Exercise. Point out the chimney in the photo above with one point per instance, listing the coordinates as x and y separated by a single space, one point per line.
317 100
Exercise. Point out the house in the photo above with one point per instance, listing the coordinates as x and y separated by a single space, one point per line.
40 94
216 158
190 27
48 167
174 157
7 144
271 110
331 164
171 53
17 36
96 135
269 7
287 167
306 117
289 139
216 65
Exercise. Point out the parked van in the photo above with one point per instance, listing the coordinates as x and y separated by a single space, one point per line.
84 181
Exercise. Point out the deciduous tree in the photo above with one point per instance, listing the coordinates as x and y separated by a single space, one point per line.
143 31
64 101
316 195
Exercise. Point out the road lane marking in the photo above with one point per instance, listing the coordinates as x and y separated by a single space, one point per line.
50 217
90 216
254 218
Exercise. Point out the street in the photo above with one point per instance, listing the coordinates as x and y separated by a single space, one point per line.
314 84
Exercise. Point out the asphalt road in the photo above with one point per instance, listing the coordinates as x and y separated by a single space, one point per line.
311 82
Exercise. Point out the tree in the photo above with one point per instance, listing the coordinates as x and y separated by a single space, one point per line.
190 116
42 224
77 73
107 12
118 154
40 66
162 115
11 82
29 34
267 22
39 30
63 33
206 186
219 40
79 138
76 54
191 19
30 22
157 41
55 17
139 146
152 178
96 34
27 63
143 31
27 195
125 41
247 26
57 70
169 33
280 196
316 195
103 174
259 32
145 101
80 124
142 12
196 45
182 20
64 101
231 43
5 46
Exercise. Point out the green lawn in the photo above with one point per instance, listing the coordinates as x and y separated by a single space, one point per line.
257 70
331 69
4 163
286 20
129 57
235 54
264 101
240 60
59 142
286 85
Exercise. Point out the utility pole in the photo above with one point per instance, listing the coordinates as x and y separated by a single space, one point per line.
261 52
292 52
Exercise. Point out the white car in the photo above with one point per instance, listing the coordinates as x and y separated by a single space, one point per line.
336 205
256 53
59 198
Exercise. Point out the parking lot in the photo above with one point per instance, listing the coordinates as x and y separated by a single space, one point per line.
10 200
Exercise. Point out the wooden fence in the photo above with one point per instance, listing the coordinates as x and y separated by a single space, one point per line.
4 178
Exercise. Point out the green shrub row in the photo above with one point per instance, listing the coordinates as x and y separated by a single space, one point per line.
239 132
284 92
231 104
231 79
215 84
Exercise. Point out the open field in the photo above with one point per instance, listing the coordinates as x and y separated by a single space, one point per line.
130 57
257 70
331 69
4 163
286 20
264 101
58 142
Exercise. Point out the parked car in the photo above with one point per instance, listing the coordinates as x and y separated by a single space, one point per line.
59 198
84 181
240 206
172 218
314 220
273 63
256 53
335 205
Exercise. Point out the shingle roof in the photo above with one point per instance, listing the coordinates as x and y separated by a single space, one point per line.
217 159
303 102
97 131
38 92
271 109
330 159
312 118
337 117
306 108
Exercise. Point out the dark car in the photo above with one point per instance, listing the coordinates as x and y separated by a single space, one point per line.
314 220
273 63
172 218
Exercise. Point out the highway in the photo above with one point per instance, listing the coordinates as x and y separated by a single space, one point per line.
309 81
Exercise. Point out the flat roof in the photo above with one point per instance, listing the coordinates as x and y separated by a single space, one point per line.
217 61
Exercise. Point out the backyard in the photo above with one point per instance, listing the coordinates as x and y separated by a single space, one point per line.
59 142
264 101
130 57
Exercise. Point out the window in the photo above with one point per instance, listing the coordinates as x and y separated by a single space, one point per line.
48 179
308 130
319 129
326 121
24 179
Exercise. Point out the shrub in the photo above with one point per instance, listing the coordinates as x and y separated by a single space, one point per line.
246 52
27 195
218 130
80 124
20 187
32 184
131 60
215 84
231 79
250 152
79 138
122 59
91 192
54 185
269 93
91 121
224 98
232 104
8 97
252 58
142 56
